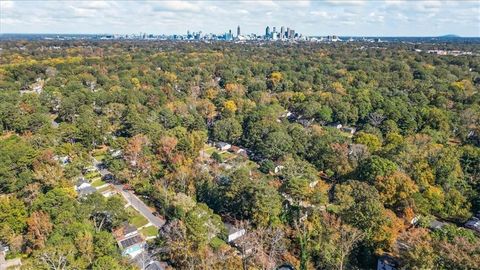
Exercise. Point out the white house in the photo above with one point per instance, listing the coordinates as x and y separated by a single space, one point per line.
233 232
223 146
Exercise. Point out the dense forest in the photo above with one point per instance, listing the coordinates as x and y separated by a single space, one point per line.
350 152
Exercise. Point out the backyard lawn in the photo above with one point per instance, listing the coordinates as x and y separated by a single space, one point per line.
149 231
97 182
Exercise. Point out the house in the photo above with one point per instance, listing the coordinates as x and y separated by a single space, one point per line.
223 146
336 125
115 153
306 122
35 88
63 160
386 263
83 188
238 150
286 114
474 224
130 241
15 263
233 232
278 169
350 130
242 152
233 149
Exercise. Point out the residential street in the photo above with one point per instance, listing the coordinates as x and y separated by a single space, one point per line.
140 206
136 203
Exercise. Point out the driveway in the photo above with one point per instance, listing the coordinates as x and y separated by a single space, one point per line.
131 198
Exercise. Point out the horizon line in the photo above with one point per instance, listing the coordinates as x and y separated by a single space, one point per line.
316 35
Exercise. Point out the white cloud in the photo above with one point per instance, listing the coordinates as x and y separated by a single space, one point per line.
342 17
178 6
346 2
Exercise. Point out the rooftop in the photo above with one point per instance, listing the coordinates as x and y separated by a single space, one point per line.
136 239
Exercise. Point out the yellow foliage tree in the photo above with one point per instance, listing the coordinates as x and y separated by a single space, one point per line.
135 82
276 77
229 106
338 88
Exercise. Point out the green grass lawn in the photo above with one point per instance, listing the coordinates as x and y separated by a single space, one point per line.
135 218
100 157
92 175
149 231
216 242
209 149
97 182
226 155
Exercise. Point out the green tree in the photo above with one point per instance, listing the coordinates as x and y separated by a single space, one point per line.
13 213
227 130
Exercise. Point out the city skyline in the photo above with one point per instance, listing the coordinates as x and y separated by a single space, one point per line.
312 18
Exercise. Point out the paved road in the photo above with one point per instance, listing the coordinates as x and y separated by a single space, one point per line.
136 203
140 206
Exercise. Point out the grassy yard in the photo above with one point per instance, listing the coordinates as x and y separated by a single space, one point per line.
226 155
104 189
92 175
100 157
209 149
149 231
216 243
97 182
135 218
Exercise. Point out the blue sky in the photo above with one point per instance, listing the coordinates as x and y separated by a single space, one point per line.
328 17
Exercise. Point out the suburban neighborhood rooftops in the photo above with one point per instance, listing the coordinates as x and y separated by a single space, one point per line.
131 241
86 191
124 231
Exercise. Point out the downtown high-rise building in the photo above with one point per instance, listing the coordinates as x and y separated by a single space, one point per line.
238 31
282 32
267 32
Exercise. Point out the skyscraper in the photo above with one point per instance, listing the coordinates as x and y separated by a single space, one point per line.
282 32
238 31
267 32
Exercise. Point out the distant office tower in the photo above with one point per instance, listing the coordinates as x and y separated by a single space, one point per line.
267 31
238 31
274 29
291 34
287 34
282 32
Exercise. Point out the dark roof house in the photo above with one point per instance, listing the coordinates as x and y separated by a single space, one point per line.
473 224
130 241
